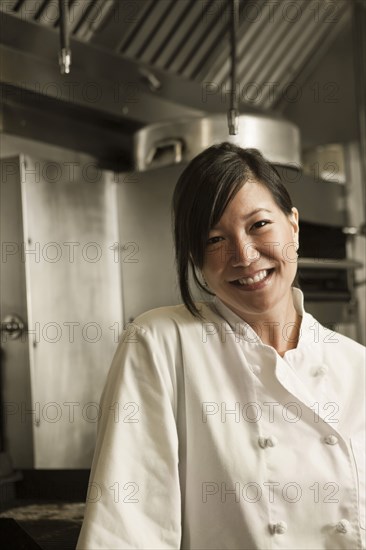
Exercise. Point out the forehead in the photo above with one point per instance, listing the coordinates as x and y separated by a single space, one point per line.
253 194
252 198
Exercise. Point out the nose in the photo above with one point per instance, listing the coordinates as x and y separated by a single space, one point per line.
244 253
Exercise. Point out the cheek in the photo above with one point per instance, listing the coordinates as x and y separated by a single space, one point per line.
290 249
289 260
286 250
212 260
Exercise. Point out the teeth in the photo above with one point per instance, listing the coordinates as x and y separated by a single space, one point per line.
258 277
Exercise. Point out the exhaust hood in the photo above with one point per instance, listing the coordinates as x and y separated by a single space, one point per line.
180 140
150 80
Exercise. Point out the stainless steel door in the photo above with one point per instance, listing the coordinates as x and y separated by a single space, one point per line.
74 307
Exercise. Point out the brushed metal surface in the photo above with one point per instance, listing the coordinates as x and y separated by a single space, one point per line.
277 139
73 300
318 201
149 278
329 263
15 368
79 290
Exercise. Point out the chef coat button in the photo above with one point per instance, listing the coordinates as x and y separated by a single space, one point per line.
320 370
270 441
343 526
280 528
331 440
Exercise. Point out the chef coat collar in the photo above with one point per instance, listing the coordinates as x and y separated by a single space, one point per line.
307 326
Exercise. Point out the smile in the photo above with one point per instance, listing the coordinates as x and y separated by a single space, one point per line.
255 281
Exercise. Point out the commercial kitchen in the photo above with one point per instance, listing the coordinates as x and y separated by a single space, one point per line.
104 103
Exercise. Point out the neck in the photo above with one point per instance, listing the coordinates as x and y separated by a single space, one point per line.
279 327
282 335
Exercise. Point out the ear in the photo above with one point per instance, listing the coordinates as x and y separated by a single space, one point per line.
294 221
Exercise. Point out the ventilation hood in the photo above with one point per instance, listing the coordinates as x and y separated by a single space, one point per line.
149 80
180 140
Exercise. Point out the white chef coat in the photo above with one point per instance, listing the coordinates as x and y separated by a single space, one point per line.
209 439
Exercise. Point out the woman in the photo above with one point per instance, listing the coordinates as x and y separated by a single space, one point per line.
235 423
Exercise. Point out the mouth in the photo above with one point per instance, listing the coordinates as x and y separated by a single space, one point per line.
259 280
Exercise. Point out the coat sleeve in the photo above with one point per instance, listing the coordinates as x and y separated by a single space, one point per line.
134 498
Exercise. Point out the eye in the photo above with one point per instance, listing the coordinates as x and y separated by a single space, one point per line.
213 240
261 223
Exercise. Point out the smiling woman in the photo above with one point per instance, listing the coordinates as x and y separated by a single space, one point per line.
247 265
248 419
234 222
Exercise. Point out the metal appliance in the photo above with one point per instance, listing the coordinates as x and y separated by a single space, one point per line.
180 140
60 307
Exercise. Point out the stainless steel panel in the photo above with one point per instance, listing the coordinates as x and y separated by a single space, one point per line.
329 263
74 304
318 201
149 278
277 139
15 368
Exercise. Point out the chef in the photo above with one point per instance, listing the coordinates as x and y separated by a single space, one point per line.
236 422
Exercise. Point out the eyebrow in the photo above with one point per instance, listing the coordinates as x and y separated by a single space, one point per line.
256 212
247 216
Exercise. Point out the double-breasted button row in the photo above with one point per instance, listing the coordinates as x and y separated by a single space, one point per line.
320 370
272 441
279 528
331 439
343 526
265 442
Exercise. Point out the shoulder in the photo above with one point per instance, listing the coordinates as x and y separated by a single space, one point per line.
166 315
164 333
173 319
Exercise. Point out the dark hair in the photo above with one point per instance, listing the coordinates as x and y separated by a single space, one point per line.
203 191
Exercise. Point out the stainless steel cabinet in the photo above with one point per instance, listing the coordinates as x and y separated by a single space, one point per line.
59 273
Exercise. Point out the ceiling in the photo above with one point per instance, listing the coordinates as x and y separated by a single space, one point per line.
151 61
278 40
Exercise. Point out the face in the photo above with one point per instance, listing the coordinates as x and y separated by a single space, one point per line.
250 258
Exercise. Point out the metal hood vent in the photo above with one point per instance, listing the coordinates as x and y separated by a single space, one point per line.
181 140
279 39
152 61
